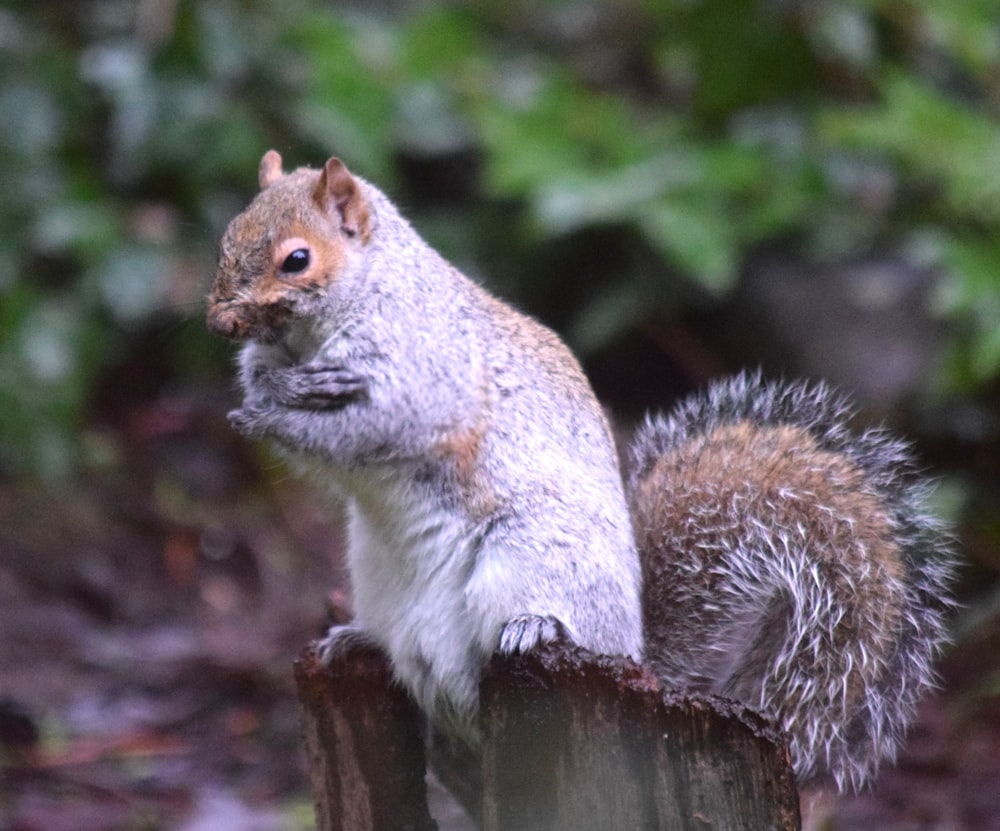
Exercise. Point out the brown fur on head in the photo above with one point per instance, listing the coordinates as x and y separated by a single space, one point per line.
292 241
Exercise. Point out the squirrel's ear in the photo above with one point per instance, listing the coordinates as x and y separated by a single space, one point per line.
338 190
270 169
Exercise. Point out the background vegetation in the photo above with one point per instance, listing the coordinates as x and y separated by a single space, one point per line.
693 132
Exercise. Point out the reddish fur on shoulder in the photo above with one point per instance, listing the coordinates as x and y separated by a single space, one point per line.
463 450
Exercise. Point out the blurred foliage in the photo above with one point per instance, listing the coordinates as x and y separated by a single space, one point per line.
130 133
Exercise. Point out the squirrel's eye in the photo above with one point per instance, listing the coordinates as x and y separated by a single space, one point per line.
296 262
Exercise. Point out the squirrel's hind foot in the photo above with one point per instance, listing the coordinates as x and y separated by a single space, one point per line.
341 639
522 633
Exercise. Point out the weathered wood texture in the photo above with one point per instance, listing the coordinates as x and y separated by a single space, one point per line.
575 741
571 741
364 743
458 768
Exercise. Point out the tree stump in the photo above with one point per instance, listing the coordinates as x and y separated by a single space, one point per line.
576 741
570 741
364 744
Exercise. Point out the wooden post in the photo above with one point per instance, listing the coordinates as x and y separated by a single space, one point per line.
574 741
571 741
364 743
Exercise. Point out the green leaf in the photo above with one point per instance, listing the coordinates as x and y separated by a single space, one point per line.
574 201
133 281
933 136
970 294
348 100
540 125
965 29
440 43
606 316
87 228
697 238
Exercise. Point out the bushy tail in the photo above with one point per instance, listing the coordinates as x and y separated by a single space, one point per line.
791 564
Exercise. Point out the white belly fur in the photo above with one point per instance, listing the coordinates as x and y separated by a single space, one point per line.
410 565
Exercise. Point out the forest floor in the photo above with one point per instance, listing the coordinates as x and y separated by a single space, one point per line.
150 614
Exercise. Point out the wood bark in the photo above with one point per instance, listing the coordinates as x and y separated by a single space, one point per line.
570 741
575 741
364 744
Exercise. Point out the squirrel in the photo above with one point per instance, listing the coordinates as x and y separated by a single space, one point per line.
757 549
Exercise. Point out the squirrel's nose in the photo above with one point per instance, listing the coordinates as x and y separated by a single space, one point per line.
241 321
223 320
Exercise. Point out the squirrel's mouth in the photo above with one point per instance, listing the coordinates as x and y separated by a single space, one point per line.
242 322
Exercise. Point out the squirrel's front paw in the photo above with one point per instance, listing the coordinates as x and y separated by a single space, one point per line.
524 632
317 386
341 639
247 422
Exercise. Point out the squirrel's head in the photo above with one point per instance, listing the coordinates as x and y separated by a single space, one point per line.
297 237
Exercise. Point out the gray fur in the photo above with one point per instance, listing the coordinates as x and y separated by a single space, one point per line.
400 354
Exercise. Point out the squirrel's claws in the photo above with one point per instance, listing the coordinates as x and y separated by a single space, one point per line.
339 640
523 633
243 422
323 387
